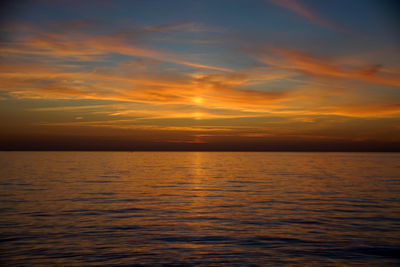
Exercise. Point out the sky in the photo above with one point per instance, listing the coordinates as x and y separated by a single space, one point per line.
200 75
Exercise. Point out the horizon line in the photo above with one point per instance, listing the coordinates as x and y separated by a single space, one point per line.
149 150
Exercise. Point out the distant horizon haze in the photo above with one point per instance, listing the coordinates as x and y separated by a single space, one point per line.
51 143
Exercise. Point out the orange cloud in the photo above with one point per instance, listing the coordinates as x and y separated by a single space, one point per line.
124 84
204 94
132 125
314 66
90 47
171 95
363 111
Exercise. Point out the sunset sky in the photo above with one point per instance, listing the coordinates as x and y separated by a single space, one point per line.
200 74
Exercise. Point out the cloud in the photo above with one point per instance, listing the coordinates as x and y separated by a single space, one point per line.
132 125
289 59
79 46
151 93
72 108
184 27
370 111
303 10
151 86
146 90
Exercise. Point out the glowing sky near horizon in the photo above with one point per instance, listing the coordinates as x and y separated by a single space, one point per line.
201 71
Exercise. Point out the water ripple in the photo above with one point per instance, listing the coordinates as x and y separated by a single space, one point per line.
206 209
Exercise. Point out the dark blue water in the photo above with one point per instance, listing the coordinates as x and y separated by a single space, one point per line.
199 208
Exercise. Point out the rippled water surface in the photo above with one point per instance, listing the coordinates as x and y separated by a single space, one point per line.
199 208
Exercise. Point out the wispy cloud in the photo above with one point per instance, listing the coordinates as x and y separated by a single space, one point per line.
185 27
150 94
290 59
79 46
72 108
141 85
371 111
131 125
300 8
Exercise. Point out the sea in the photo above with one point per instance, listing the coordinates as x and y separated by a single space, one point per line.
199 209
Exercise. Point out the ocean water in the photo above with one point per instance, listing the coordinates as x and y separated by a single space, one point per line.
199 208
